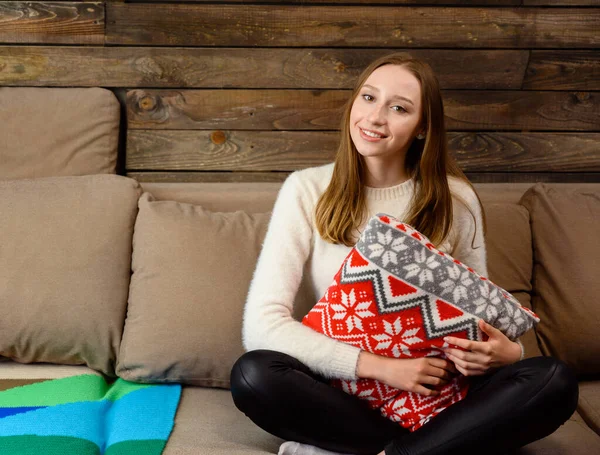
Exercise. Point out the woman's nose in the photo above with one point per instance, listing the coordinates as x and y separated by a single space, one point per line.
376 115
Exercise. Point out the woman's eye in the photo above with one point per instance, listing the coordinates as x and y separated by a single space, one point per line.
398 109
368 97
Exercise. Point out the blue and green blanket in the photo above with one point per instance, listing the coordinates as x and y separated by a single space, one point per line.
86 415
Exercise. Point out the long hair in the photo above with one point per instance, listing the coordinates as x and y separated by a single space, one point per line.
342 208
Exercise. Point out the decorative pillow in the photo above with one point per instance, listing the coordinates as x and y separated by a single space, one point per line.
51 132
397 295
65 265
191 271
564 223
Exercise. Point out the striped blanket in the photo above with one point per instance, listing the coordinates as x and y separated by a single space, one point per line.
86 415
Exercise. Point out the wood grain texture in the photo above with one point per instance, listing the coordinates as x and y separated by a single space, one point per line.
288 151
526 152
467 110
563 70
561 3
534 177
351 2
208 176
394 2
236 109
156 67
522 110
52 22
228 150
475 177
350 26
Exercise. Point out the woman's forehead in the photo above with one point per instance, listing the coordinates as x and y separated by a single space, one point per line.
395 80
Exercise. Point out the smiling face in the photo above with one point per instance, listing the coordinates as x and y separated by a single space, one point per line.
385 116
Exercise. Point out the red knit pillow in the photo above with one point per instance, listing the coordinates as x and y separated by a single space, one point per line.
397 295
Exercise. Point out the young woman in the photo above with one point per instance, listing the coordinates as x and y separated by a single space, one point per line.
392 158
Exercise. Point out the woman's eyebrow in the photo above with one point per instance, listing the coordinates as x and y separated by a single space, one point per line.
393 97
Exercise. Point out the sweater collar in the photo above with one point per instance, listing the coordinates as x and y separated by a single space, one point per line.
390 192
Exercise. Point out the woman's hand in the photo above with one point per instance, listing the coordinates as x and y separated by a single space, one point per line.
420 375
482 356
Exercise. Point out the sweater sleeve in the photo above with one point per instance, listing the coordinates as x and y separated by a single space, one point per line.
469 244
268 321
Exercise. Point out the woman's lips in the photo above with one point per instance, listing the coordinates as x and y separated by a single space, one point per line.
370 138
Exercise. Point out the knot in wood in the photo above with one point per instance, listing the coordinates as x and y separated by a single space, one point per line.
340 67
218 137
147 103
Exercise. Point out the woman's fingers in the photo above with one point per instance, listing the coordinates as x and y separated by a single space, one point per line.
468 345
438 372
422 390
436 376
443 364
470 372
465 366
434 380
471 361
464 355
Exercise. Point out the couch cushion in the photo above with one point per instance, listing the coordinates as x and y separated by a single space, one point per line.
57 131
573 437
251 197
65 267
13 374
508 243
509 257
191 273
564 224
207 422
589 403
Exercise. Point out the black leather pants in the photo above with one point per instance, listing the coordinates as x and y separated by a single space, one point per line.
503 410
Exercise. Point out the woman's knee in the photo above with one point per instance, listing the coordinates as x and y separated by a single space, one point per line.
565 386
558 389
260 373
249 372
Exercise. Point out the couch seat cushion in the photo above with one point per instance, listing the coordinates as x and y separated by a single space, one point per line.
191 273
572 438
57 131
566 252
207 422
14 374
589 403
65 262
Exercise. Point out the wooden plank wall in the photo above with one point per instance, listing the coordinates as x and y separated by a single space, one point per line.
250 91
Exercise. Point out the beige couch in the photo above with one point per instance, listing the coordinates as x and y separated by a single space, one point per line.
147 281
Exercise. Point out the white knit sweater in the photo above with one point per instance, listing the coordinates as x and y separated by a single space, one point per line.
293 246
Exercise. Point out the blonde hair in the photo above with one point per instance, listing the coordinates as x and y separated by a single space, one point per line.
342 208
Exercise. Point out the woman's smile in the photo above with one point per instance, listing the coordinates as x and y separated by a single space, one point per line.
370 135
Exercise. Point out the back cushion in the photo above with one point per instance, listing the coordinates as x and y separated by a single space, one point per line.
566 249
65 262
191 273
510 258
57 132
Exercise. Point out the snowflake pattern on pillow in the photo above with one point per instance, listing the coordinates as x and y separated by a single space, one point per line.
397 295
